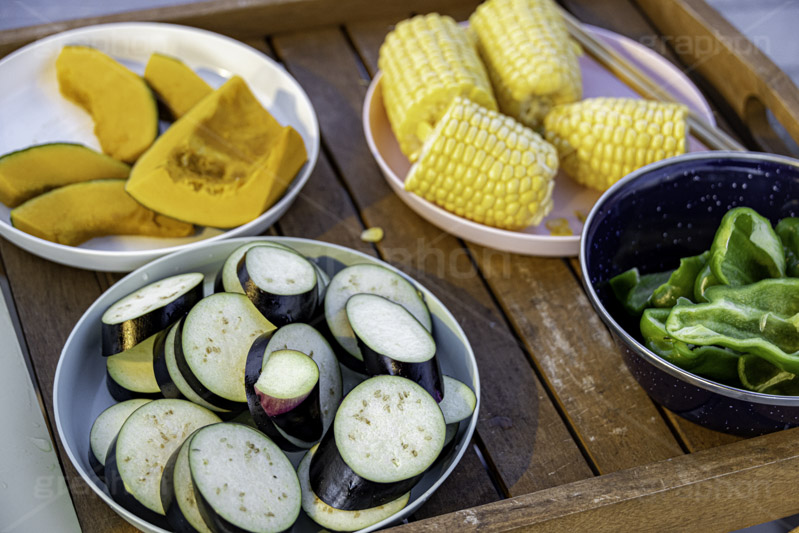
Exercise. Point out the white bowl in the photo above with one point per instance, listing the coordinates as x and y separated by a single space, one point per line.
80 392
34 112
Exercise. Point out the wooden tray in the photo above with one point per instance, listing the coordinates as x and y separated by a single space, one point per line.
566 439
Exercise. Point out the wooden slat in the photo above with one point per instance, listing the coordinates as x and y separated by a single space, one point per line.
240 18
622 17
511 429
49 299
711 46
719 490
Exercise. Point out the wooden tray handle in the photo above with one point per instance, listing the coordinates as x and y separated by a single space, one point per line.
742 74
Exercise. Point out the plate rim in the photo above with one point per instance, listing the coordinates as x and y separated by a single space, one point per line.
523 243
139 275
128 260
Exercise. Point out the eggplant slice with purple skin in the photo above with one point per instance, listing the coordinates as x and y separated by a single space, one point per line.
143 313
386 434
243 482
336 519
227 279
393 342
141 449
282 284
104 430
288 391
130 374
177 494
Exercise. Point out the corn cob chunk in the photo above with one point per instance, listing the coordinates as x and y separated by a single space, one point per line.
531 60
601 140
486 167
427 61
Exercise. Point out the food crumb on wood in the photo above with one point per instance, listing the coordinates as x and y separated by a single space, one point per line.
374 234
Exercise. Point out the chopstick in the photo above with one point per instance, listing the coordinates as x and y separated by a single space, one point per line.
706 133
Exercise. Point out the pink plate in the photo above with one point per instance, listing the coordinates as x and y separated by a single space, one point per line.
571 201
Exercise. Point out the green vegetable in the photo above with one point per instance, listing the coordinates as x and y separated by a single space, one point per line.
634 291
761 318
704 279
746 249
713 362
759 375
681 281
788 231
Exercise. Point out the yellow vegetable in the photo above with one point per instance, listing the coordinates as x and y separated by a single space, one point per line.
531 60
486 167
76 213
37 169
222 164
179 87
427 61
601 140
120 102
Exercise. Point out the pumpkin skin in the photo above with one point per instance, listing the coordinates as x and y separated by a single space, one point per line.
179 87
76 213
121 104
37 169
222 164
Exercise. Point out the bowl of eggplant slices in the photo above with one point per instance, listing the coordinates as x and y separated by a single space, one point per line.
266 384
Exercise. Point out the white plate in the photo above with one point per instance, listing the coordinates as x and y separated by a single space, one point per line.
571 201
80 394
32 111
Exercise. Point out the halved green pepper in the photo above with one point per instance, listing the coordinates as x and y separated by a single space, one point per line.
788 231
759 375
634 290
761 318
681 281
713 362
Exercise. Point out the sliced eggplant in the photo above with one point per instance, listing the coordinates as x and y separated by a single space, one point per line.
459 401
393 342
177 494
228 277
242 480
145 442
130 374
282 284
105 429
371 279
169 377
387 432
211 347
323 280
288 391
336 519
151 309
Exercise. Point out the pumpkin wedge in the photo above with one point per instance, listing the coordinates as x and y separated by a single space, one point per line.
179 87
222 164
76 213
121 104
37 169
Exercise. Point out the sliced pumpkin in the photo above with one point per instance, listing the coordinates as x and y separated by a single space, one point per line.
76 213
121 104
179 87
37 169
222 164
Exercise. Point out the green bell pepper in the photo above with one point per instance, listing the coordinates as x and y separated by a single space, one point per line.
704 279
713 362
788 231
634 291
745 249
761 318
681 281
759 375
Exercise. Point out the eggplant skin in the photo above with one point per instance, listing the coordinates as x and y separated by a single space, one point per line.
116 486
252 370
121 394
117 338
336 484
162 377
278 309
427 374
174 515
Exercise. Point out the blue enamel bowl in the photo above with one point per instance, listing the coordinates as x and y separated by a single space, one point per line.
652 218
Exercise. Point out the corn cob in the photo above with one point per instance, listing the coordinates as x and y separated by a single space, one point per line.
426 61
531 60
486 167
601 140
